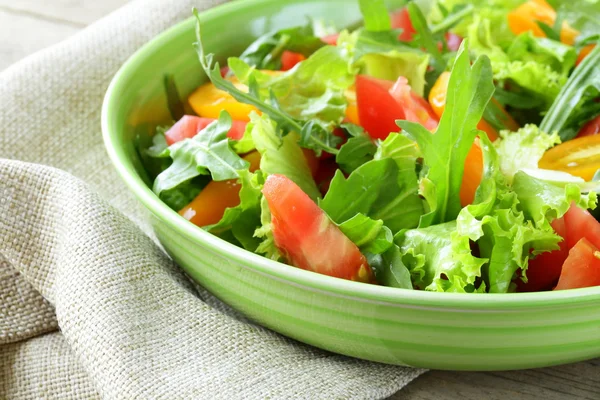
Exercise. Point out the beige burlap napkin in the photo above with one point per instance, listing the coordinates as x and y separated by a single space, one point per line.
76 254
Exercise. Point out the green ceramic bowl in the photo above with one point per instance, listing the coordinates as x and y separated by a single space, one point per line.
415 328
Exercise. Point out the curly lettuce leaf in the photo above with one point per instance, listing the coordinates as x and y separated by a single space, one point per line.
358 150
377 189
264 234
207 152
401 149
523 149
281 155
470 88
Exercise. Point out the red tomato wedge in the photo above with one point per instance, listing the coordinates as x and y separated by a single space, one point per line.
289 60
582 267
581 224
331 39
188 126
307 237
401 20
544 270
377 109
325 174
381 103
591 128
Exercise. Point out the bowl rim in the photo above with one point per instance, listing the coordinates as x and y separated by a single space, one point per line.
307 279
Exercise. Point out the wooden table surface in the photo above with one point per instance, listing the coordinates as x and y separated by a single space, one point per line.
30 25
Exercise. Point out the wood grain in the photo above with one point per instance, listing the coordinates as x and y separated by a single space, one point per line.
30 25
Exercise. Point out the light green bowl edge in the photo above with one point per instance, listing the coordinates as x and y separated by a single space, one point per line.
311 281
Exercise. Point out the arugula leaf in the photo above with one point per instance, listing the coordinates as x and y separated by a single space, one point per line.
314 135
389 269
575 103
245 217
358 150
174 103
375 15
281 156
523 149
470 88
370 235
207 152
459 12
423 36
378 190
265 52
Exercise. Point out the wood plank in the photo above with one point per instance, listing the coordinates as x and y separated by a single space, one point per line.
22 35
580 381
77 13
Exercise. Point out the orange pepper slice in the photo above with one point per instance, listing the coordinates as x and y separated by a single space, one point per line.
208 101
525 17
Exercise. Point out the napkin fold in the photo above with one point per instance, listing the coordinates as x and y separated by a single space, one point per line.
77 254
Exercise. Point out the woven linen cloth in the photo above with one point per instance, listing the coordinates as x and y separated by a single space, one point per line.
90 306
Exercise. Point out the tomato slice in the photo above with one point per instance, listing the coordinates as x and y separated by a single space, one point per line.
325 174
331 39
377 109
210 204
312 160
579 157
416 109
591 128
307 237
580 223
544 270
289 60
582 267
401 20
188 126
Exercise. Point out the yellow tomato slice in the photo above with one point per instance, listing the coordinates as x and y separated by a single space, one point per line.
579 157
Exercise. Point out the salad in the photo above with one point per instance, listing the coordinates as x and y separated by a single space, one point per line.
448 146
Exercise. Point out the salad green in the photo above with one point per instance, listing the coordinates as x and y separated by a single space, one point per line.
443 146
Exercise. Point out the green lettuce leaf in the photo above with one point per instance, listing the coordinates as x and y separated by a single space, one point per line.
183 194
375 15
378 190
281 156
439 258
243 219
576 103
371 236
264 233
389 269
401 149
523 149
358 150
265 52
207 152
469 90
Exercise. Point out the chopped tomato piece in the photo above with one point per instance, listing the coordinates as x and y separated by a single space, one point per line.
210 204
582 267
331 39
307 237
401 20
584 53
416 109
208 101
544 270
579 157
224 71
377 109
580 223
525 18
472 175
325 174
188 126
591 128
453 41
289 60
312 160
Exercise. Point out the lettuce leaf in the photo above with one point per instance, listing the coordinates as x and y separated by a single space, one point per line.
264 233
183 194
370 235
375 15
207 152
281 156
358 150
377 189
243 219
389 269
523 149
469 90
